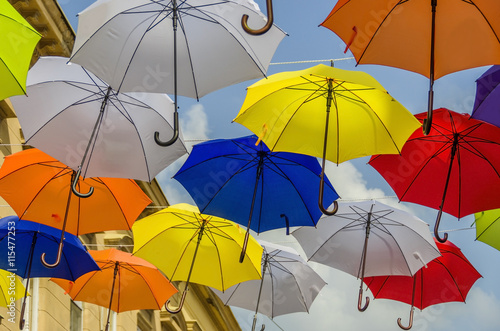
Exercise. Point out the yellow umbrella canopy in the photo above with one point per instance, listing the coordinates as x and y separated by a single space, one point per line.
17 42
189 246
289 111
334 114
11 288
488 227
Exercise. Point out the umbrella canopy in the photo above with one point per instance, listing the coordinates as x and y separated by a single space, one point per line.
32 240
487 101
432 38
365 119
75 117
488 227
369 239
39 188
130 44
188 47
459 159
284 275
11 288
125 282
18 40
250 185
201 248
447 278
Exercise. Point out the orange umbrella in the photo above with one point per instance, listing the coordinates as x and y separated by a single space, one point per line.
429 37
38 188
125 282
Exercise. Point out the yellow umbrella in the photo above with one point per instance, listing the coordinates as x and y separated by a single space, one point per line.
17 42
11 288
290 111
189 246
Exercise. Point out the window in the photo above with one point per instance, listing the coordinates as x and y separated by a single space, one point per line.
76 321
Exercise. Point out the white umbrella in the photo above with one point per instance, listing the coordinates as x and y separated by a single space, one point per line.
369 239
188 47
76 118
288 285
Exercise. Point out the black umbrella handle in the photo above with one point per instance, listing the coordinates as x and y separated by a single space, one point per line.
174 137
265 28
74 184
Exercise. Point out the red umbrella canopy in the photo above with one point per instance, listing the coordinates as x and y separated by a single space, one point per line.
455 168
447 278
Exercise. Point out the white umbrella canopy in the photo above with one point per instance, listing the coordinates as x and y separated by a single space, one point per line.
130 44
369 238
76 118
288 284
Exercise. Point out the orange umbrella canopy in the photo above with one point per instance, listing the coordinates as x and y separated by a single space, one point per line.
399 33
38 188
125 282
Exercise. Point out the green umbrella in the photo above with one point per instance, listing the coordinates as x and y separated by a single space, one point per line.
17 42
488 227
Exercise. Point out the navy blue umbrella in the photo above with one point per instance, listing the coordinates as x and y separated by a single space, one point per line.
253 186
24 242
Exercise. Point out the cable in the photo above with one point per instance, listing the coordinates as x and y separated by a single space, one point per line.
312 61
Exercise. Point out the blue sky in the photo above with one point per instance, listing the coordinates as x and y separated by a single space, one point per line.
335 307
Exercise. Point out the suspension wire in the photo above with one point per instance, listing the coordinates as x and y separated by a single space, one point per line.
313 61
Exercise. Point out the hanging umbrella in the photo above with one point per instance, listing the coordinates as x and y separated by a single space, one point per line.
200 248
73 116
447 278
18 40
31 241
432 38
188 47
11 288
38 188
240 180
369 239
125 282
459 159
290 111
487 100
288 285
488 227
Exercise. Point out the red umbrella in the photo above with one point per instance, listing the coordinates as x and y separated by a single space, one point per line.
447 278
455 168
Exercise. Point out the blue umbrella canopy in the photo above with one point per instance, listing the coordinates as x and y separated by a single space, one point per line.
24 243
242 180
29 240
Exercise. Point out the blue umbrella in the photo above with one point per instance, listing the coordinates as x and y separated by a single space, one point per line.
23 243
242 180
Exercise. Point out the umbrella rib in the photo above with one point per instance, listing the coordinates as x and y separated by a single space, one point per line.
295 188
211 237
146 281
309 97
482 232
389 12
487 20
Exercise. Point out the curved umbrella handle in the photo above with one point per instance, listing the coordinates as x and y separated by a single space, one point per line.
181 304
75 191
320 197
174 137
436 227
411 321
360 298
265 28
58 259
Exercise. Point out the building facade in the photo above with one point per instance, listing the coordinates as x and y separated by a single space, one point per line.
48 307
